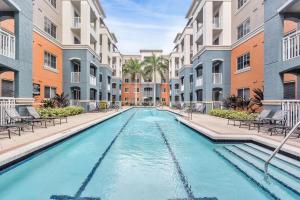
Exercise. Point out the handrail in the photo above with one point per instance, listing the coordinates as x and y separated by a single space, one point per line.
278 148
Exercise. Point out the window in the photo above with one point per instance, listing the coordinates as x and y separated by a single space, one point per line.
191 78
199 94
76 40
126 90
241 3
108 79
199 71
164 90
53 3
216 41
100 77
50 92
100 96
244 93
7 88
126 80
289 90
176 86
163 99
49 27
243 29
49 60
36 89
243 61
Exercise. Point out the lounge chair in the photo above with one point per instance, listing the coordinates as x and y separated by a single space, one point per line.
33 112
277 121
263 115
199 107
15 120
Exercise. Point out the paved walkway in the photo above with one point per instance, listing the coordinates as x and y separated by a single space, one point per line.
28 137
217 128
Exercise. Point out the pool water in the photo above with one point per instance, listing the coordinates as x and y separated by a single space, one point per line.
142 154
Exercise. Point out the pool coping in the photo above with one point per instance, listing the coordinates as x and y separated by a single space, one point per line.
287 149
19 154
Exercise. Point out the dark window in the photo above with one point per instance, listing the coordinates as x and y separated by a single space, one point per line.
108 79
289 90
36 89
108 97
243 61
49 27
243 29
50 92
7 88
100 77
244 93
76 40
199 71
49 60
191 78
93 94
199 94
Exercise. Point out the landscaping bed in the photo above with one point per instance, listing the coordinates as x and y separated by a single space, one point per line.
233 114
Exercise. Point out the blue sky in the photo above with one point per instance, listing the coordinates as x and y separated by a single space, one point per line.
145 24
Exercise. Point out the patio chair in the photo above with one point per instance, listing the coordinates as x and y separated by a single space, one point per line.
33 112
260 118
277 121
199 107
15 120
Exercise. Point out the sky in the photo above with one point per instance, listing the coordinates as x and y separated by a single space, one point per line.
145 24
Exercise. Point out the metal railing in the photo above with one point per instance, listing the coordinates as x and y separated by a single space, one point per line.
108 87
76 22
93 80
278 149
75 77
5 102
217 78
182 88
199 82
7 44
291 46
293 108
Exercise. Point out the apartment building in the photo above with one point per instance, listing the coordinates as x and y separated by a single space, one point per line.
247 55
90 53
16 49
211 21
47 55
141 91
282 55
180 67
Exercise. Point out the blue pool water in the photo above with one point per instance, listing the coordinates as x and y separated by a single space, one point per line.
142 154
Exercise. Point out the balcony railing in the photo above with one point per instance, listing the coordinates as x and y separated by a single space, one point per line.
114 91
199 82
7 44
76 22
148 93
93 80
182 88
217 78
291 46
75 77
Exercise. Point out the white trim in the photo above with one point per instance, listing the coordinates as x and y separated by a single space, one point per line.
75 58
246 69
285 5
248 36
14 5
217 59
241 8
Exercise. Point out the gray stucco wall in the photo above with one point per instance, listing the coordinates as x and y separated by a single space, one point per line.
185 72
22 65
206 59
173 90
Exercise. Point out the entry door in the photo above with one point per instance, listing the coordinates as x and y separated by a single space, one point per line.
7 89
290 90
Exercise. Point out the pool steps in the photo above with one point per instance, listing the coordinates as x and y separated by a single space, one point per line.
249 159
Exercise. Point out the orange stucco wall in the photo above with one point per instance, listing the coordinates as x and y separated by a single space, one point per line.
254 77
43 76
166 94
289 26
8 25
130 95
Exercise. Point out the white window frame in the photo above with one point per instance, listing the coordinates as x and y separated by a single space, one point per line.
48 62
244 57
246 28
51 91
48 27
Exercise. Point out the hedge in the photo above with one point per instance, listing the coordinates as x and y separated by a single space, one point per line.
62 112
233 114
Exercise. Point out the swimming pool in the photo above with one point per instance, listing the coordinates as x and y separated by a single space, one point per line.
142 154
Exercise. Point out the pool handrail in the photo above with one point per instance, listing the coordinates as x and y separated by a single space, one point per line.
278 149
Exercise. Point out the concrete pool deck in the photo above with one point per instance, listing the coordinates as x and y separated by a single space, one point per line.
217 129
28 143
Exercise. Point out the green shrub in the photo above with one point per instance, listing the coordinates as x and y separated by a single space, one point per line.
233 114
103 105
61 112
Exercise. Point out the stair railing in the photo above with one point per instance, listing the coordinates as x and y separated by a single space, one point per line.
278 149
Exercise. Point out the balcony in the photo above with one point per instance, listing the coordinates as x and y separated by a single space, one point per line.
291 46
93 32
217 78
182 88
199 32
114 91
7 44
108 87
75 77
93 80
199 82
76 23
148 94
217 23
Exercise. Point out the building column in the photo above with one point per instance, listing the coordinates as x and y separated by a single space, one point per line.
85 22
208 23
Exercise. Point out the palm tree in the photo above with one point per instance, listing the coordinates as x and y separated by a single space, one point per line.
133 68
153 65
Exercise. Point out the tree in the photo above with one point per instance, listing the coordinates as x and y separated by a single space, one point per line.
133 68
153 65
